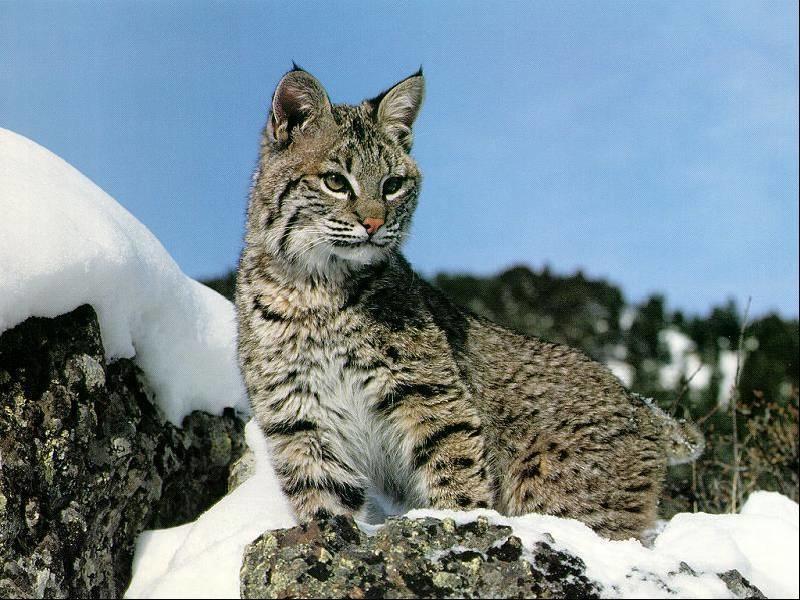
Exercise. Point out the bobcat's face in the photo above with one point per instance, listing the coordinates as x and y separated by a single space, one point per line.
340 185
356 195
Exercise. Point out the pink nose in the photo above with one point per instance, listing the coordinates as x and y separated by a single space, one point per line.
372 225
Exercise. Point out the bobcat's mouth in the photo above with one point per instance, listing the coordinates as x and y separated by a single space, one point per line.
348 244
360 248
362 251
359 243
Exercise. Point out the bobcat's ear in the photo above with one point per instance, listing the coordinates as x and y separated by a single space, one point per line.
396 109
299 99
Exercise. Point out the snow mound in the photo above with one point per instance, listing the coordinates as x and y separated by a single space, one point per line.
761 541
202 559
64 242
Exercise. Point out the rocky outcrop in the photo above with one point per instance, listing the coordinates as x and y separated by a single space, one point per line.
739 586
423 558
87 461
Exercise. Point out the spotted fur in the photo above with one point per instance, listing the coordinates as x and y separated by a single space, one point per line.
377 393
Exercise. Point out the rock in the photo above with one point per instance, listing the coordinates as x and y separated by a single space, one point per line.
429 558
242 469
199 456
87 461
426 558
739 586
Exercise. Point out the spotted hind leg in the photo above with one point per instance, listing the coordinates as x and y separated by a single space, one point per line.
597 482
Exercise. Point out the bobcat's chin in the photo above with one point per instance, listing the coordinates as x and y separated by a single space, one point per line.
362 254
335 262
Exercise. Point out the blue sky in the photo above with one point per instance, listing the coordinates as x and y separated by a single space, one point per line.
652 143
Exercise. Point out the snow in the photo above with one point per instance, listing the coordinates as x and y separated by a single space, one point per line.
627 317
64 242
728 361
622 371
762 541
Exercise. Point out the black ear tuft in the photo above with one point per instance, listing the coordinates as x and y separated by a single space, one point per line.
396 109
298 100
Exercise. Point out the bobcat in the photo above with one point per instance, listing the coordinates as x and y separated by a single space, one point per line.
377 393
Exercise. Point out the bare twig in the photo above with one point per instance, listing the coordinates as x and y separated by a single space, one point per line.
700 420
683 391
734 408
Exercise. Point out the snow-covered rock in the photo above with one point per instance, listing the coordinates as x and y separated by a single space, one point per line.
332 557
202 559
87 462
761 541
64 242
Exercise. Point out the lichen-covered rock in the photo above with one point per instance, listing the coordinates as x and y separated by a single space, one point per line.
198 458
426 558
87 461
739 586
419 558
242 469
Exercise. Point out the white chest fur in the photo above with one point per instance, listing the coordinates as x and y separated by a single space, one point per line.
329 360
361 437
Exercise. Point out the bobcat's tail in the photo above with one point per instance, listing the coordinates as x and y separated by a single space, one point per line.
684 442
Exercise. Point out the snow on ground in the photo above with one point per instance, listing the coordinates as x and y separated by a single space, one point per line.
762 540
64 242
202 559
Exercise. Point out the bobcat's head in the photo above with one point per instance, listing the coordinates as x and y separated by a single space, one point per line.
335 187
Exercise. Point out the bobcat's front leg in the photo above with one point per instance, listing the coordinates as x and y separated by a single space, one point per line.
446 444
311 474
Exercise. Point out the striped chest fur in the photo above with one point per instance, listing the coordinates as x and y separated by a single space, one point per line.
323 377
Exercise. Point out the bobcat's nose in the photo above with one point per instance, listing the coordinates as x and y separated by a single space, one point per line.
372 225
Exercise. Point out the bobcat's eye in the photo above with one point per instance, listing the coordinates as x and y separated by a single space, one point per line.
392 185
335 182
